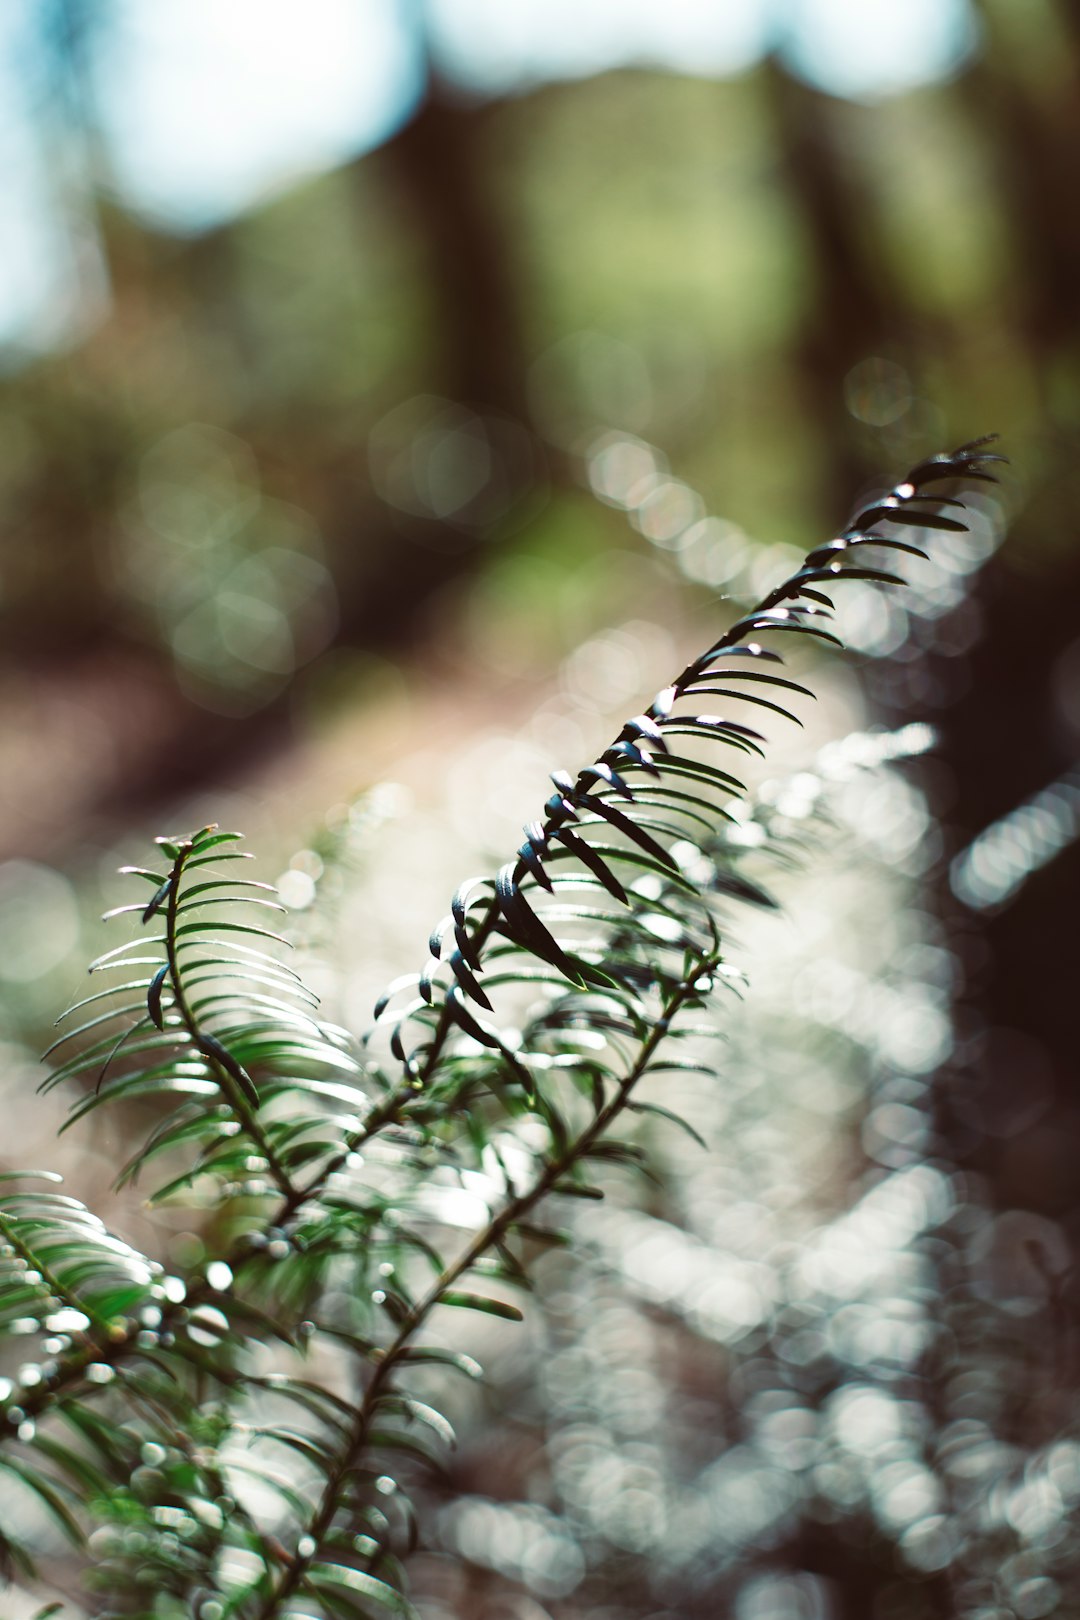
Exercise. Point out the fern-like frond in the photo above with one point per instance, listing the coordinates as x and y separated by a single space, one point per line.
555 988
70 1293
247 1435
209 1018
626 832
254 1088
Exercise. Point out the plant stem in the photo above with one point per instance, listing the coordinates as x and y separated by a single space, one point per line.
389 1110
230 1090
512 1212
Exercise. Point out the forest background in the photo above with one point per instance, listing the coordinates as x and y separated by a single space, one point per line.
391 393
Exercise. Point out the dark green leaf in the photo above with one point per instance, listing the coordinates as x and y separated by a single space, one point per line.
221 1054
892 511
479 1302
666 1113
153 996
525 925
161 894
618 818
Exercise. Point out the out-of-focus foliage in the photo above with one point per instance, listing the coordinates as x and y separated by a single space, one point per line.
279 439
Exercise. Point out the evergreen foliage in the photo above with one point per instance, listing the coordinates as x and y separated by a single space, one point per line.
243 1440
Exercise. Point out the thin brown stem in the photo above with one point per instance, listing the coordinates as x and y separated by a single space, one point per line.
515 1210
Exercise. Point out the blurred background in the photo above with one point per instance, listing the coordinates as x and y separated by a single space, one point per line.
390 390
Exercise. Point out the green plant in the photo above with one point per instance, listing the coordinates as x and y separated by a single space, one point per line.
244 1439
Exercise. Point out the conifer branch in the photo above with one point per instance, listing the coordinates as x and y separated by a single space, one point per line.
549 992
